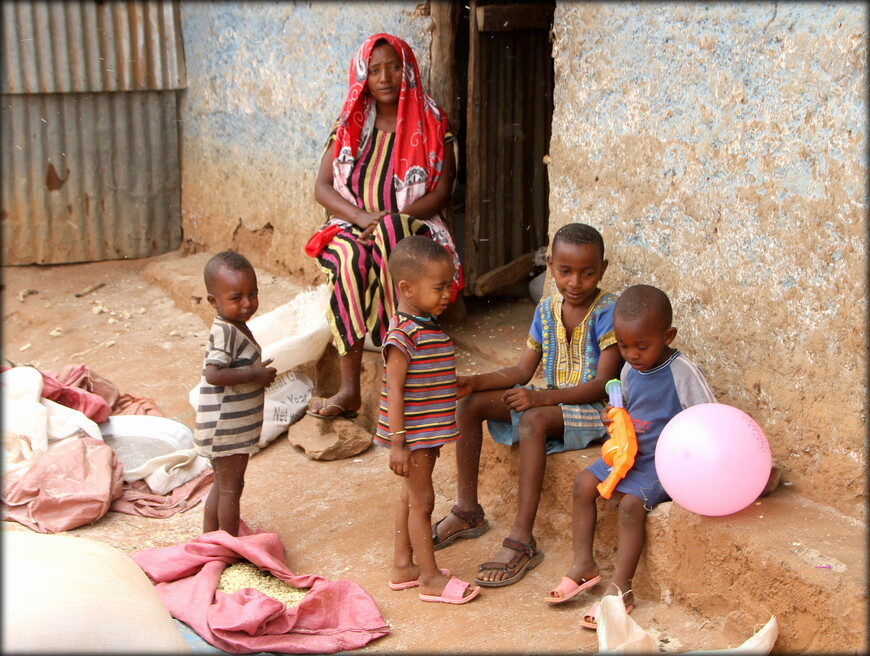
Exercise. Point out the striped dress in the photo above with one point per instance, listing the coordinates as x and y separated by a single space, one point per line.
228 419
362 296
430 384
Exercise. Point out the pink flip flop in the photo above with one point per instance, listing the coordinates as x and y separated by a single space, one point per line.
568 589
589 620
452 593
404 585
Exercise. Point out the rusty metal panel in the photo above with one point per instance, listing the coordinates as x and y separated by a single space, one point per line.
88 177
88 45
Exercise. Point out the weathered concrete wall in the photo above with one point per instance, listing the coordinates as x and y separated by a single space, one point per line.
266 80
721 149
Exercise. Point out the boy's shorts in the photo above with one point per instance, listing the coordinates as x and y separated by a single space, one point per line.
582 427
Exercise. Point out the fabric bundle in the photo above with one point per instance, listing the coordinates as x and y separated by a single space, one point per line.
333 616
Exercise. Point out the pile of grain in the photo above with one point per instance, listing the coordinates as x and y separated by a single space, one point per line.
247 575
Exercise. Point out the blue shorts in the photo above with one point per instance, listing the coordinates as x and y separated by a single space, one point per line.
582 427
637 482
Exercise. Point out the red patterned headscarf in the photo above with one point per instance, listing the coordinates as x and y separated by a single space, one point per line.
420 127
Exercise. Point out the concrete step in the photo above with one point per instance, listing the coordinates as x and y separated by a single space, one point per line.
180 277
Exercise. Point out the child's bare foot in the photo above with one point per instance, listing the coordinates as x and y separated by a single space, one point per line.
572 584
434 585
627 595
583 571
458 524
402 578
590 621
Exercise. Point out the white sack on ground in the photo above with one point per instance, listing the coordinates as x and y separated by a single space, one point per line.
31 422
618 633
72 595
295 333
165 473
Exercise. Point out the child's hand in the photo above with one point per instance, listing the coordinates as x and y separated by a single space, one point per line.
605 418
264 375
520 399
400 459
464 386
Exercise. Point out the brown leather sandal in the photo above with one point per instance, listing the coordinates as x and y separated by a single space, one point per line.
511 567
477 526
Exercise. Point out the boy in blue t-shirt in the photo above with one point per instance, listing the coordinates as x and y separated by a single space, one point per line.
658 382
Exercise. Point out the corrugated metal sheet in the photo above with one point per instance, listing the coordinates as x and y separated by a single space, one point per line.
89 130
509 125
80 46
89 177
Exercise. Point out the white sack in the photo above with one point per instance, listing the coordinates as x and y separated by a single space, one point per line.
71 595
165 473
30 422
618 633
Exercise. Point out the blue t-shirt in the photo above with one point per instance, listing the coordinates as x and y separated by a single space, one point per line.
652 398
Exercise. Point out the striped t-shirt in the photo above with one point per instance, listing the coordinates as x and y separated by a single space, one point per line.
430 383
228 418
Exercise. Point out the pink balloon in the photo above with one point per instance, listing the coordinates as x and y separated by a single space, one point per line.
713 459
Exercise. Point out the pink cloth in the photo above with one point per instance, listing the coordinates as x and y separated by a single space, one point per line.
139 499
70 485
78 375
333 615
90 404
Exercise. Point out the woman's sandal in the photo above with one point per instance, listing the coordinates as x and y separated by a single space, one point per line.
510 567
477 526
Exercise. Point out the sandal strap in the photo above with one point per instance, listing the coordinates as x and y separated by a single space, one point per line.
528 549
473 519
501 567
510 566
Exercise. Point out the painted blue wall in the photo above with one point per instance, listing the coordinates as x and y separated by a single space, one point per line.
722 150
266 80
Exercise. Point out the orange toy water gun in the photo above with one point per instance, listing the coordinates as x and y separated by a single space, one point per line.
618 451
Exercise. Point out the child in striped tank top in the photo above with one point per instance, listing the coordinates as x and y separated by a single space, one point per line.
418 412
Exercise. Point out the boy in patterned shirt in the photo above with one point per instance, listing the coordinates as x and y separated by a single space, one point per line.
572 338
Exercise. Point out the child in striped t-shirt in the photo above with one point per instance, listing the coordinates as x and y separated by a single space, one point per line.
418 411
229 413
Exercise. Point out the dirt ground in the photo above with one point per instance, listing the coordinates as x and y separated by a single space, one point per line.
334 518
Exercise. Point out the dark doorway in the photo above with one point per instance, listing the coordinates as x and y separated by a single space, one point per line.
504 73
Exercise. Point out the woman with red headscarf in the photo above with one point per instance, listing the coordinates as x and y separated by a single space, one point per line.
387 172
